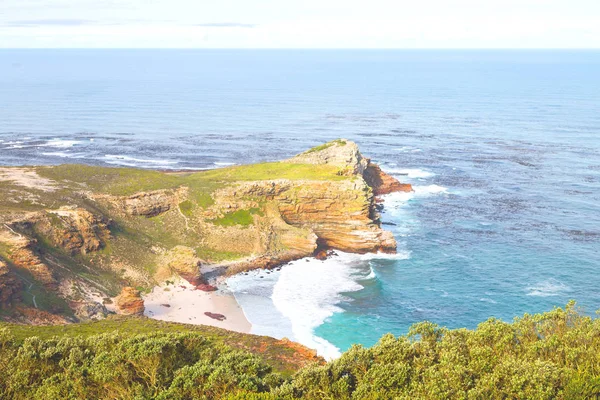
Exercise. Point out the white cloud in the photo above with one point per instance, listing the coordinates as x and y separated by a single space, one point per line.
301 24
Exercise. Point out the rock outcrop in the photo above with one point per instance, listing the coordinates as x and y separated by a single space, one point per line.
10 285
341 153
342 213
130 302
148 204
23 254
382 183
181 260
339 213
74 230
90 311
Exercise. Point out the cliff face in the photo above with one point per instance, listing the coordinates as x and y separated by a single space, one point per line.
89 231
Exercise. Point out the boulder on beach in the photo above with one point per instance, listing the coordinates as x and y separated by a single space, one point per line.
218 317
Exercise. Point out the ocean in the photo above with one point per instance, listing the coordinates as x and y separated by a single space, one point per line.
502 147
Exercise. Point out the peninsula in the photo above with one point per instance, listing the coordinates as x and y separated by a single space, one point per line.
78 242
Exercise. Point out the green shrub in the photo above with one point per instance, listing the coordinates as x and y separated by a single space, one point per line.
555 355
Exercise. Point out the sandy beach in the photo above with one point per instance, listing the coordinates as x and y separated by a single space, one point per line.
182 302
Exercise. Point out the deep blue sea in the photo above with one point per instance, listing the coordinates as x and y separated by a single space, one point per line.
503 148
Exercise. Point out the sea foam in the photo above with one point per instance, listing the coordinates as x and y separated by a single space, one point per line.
60 143
547 288
137 162
412 173
302 296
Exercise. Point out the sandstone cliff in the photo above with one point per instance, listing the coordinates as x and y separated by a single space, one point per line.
81 235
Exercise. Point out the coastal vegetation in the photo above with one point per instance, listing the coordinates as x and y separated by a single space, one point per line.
555 355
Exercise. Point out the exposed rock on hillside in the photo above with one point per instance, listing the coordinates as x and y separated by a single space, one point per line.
90 310
10 285
183 261
149 204
130 302
23 254
341 153
74 230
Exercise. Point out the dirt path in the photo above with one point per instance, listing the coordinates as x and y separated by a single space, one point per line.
27 177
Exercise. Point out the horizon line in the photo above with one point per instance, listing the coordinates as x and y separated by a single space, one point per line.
313 48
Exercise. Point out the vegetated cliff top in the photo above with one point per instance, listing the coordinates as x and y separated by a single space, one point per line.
555 355
72 236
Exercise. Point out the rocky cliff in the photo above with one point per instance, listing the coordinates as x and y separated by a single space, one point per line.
71 243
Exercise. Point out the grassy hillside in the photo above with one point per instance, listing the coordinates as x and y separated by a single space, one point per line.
133 253
555 355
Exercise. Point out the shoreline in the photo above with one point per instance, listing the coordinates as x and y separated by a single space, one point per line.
182 302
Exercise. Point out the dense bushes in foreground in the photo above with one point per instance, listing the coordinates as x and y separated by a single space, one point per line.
555 355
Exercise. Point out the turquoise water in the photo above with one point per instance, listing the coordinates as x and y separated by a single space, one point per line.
503 146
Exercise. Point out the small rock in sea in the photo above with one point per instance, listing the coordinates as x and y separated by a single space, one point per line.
268 272
205 287
278 269
321 255
166 305
218 317
261 277
307 260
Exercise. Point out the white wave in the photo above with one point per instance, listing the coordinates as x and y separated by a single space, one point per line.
411 173
401 255
548 288
408 149
253 291
223 164
372 275
301 296
60 143
308 292
397 199
63 154
429 190
16 144
137 162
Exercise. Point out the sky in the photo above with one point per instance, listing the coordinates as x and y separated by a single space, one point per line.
300 24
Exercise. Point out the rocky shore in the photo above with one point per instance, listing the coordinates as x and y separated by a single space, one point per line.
78 242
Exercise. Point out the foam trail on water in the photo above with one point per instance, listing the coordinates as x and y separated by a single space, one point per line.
400 255
63 154
412 173
548 288
60 143
138 162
